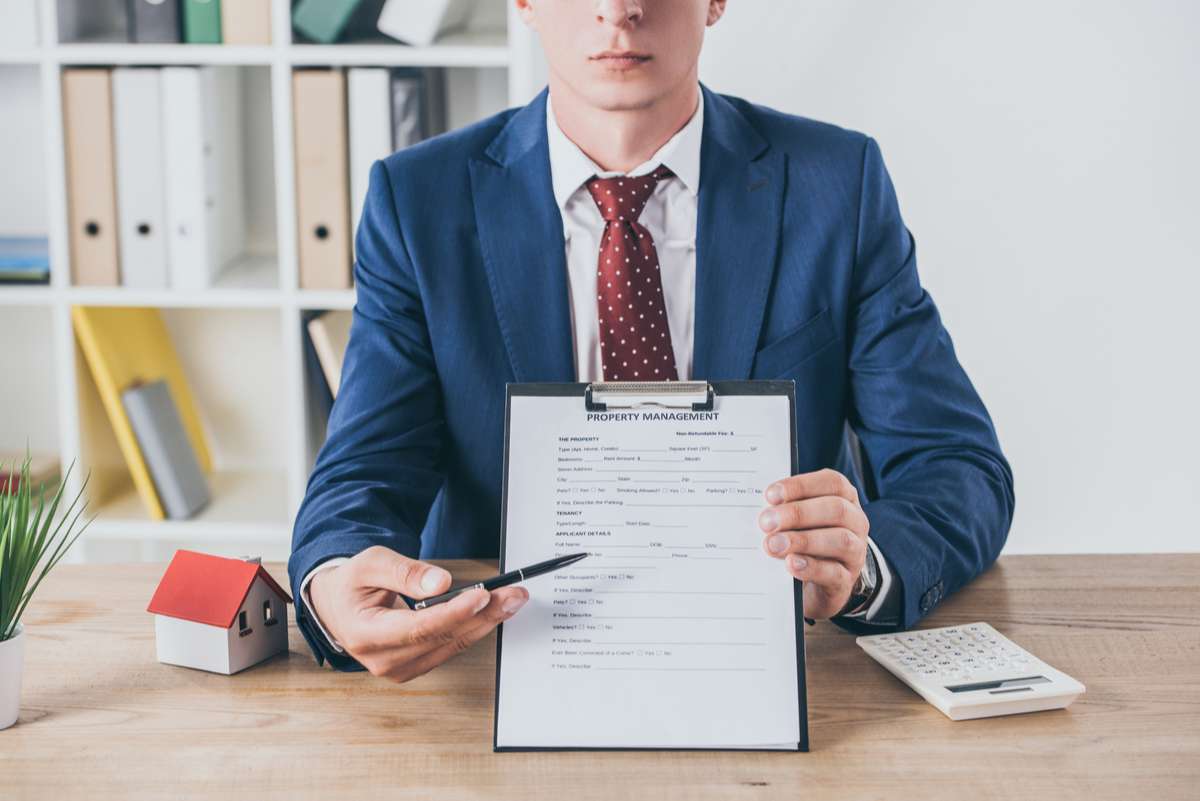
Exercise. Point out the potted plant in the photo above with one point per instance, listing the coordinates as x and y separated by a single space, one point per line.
30 546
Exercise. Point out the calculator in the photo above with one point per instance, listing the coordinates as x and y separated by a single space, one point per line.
972 671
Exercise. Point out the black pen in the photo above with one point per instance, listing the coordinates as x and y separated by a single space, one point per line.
504 579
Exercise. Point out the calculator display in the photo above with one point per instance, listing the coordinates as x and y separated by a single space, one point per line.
999 686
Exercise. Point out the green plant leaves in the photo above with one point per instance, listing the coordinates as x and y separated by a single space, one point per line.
32 544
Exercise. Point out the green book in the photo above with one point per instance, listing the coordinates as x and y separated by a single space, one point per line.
202 21
323 20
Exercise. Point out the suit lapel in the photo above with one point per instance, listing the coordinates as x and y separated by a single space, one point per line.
524 253
737 238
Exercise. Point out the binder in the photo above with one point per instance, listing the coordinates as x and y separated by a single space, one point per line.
409 123
323 21
322 182
370 131
688 418
177 476
421 22
320 398
91 183
330 334
154 21
141 201
205 196
246 22
20 28
202 21
418 105
123 346
92 20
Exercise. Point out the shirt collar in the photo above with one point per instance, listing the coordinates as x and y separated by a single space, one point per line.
570 167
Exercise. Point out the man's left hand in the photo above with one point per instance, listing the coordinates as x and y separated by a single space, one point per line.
816 525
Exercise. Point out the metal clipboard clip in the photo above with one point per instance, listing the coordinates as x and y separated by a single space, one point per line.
603 396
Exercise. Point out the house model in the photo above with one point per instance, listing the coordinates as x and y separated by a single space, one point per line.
218 614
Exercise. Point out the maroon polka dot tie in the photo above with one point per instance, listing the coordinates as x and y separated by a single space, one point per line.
635 340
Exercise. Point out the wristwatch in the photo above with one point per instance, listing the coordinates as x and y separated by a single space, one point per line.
864 589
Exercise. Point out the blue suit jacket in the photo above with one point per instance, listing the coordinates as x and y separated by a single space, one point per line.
804 270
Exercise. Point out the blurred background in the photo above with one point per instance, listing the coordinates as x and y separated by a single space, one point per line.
182 180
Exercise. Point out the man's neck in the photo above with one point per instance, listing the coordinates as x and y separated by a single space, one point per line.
620 140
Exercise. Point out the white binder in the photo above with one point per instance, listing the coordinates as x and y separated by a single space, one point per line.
205 196
370 131
141 203
421 22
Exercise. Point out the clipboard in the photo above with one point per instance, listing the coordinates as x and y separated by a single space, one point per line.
613 396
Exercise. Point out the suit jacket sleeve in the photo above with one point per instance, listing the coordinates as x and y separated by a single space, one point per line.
944 491
380 469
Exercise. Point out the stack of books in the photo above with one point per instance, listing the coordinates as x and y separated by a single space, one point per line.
24 260
235 22
248 22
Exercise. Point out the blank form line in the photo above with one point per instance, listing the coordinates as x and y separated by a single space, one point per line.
688 505
617 546
663 470
649 642
672 617
754 670
672 592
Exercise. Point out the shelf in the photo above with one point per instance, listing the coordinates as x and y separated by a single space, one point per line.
119 53
249 282
25 294
246 506
240 342
482 48
326 299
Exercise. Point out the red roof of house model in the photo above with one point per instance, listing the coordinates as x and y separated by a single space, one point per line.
207 589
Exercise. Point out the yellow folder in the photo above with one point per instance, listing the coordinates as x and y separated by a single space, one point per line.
125 345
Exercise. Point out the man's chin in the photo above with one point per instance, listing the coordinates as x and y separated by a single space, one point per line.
622 95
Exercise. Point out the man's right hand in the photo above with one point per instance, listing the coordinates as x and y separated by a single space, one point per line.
358 603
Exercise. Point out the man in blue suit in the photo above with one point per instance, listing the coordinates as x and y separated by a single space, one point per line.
773 248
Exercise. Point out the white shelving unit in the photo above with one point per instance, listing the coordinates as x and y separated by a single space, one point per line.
253 404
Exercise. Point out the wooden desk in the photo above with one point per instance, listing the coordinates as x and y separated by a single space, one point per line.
102 719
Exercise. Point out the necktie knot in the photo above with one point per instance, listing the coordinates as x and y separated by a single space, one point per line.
623 197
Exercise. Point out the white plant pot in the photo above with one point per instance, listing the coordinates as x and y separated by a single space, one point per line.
11 664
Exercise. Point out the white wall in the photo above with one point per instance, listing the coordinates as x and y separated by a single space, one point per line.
1047 159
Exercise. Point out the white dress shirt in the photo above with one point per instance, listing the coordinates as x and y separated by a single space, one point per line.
670 216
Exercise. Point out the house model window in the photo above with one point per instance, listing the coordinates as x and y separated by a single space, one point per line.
243 627
269 618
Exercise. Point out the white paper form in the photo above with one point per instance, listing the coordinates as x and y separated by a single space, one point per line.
677 631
